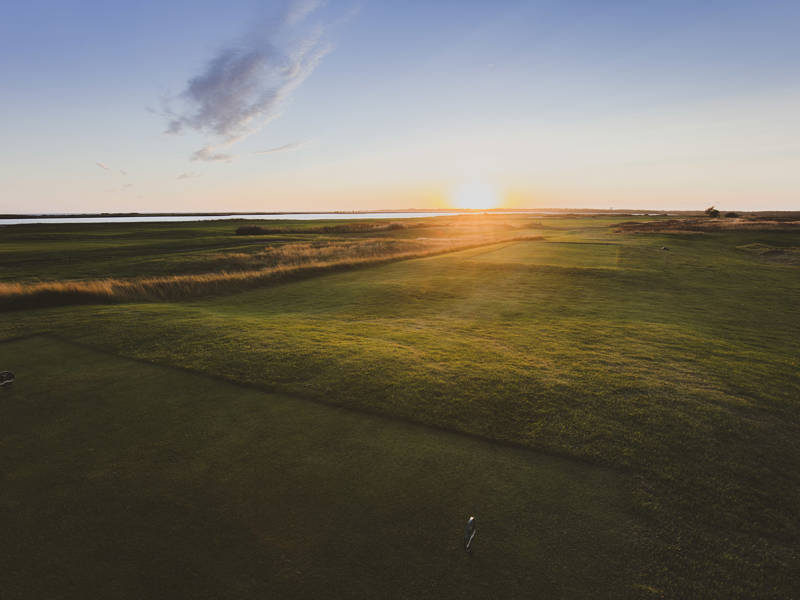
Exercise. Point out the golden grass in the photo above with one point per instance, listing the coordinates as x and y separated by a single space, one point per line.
304 253
356 227
282 262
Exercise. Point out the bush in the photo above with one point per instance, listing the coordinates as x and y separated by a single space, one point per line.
731 215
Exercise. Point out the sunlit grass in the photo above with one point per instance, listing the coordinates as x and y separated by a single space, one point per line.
239 271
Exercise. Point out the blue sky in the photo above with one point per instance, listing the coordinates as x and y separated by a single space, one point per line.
366 105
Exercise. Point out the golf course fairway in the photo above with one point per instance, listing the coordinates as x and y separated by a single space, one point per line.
130 480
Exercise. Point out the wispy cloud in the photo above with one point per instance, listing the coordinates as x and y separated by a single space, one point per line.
102 166
207 153
242 88
285 147
188 175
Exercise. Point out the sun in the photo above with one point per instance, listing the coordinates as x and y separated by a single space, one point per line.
475 195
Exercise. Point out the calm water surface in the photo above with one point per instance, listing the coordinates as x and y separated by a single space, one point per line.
271 217
166 219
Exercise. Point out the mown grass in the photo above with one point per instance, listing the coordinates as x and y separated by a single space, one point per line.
679 368
130 480
781 254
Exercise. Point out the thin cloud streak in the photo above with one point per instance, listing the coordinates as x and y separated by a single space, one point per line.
243 87
102 166
284 148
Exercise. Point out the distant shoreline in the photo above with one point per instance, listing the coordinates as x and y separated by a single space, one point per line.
416 212
111 215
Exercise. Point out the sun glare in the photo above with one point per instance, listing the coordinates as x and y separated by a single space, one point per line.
475 195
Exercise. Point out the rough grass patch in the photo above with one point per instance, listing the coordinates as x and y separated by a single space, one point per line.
344 228
290 261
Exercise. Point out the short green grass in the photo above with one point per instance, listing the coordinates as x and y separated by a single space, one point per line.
677 368
129 480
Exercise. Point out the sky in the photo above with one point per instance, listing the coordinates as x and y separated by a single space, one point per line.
248 105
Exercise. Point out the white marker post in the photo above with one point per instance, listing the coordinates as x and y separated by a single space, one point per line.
469 534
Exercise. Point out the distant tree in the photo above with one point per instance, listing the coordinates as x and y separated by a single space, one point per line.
732 215
712 212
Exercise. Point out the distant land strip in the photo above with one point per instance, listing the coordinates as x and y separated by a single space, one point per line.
560 211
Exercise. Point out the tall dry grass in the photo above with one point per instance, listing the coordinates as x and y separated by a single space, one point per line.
303 253
241 272
343 228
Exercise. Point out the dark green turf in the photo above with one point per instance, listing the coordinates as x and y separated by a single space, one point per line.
127 480
678 368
